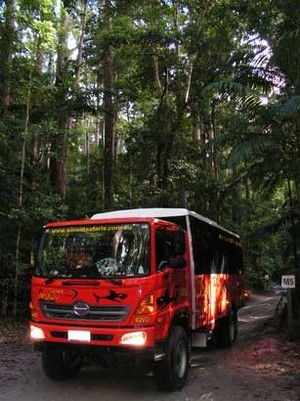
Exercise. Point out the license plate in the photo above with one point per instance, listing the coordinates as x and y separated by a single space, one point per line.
77 335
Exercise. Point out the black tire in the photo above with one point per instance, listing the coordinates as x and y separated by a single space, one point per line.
227 330
171 373
60 364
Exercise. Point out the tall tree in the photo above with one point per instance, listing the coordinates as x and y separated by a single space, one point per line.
59 143
109 113
8 36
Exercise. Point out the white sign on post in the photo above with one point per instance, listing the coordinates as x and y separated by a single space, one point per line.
288 281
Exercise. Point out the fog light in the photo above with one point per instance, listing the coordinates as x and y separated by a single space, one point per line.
135 338
36 333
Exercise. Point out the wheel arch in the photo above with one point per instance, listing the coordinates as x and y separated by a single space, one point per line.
181 318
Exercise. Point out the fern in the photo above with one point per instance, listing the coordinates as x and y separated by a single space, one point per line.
291 107
252 148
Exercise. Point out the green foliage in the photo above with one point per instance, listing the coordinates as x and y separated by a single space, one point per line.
205 104
291 107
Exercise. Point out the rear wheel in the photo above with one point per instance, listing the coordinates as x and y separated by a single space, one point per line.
60 364
227 329
171 373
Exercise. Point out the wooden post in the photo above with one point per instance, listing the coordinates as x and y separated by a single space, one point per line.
288 282
290 313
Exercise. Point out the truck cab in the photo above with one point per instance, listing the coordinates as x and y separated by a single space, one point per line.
112 288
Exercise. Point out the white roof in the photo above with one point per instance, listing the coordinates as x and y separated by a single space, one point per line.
143 212
158 213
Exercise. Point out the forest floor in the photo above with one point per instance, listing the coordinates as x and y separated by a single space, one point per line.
264 365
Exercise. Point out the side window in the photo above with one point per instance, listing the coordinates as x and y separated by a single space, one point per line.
212 254
205 249
163 247
234 257
223 264
200 248
219 261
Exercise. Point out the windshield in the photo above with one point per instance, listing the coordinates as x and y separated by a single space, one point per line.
94 251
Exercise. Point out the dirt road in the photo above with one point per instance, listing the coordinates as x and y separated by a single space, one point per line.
262 366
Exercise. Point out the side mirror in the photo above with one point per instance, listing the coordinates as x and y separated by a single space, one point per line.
179 242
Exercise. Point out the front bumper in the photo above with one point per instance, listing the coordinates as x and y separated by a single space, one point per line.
133 337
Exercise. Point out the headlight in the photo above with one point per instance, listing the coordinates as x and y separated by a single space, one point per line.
137 338
36 333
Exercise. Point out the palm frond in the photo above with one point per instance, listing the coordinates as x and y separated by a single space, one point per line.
250 149
289 42
291 107
224 139
227 86
272 227
248 95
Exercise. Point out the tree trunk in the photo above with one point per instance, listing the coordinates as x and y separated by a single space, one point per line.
81 42
20 203
59 143
6 52
109 118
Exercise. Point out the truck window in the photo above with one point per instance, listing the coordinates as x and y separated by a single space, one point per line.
163 248
214 253
234 256
95 251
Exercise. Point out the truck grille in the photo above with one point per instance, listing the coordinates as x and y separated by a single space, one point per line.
95 313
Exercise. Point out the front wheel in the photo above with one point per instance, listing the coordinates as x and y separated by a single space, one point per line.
171 373
59 364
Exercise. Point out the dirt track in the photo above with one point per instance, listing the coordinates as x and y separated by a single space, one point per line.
262 366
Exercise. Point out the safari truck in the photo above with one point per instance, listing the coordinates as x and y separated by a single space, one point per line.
140 286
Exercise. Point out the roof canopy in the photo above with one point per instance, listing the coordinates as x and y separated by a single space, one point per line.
158 213
146 212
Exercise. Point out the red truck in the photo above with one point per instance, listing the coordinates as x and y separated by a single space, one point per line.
140 286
